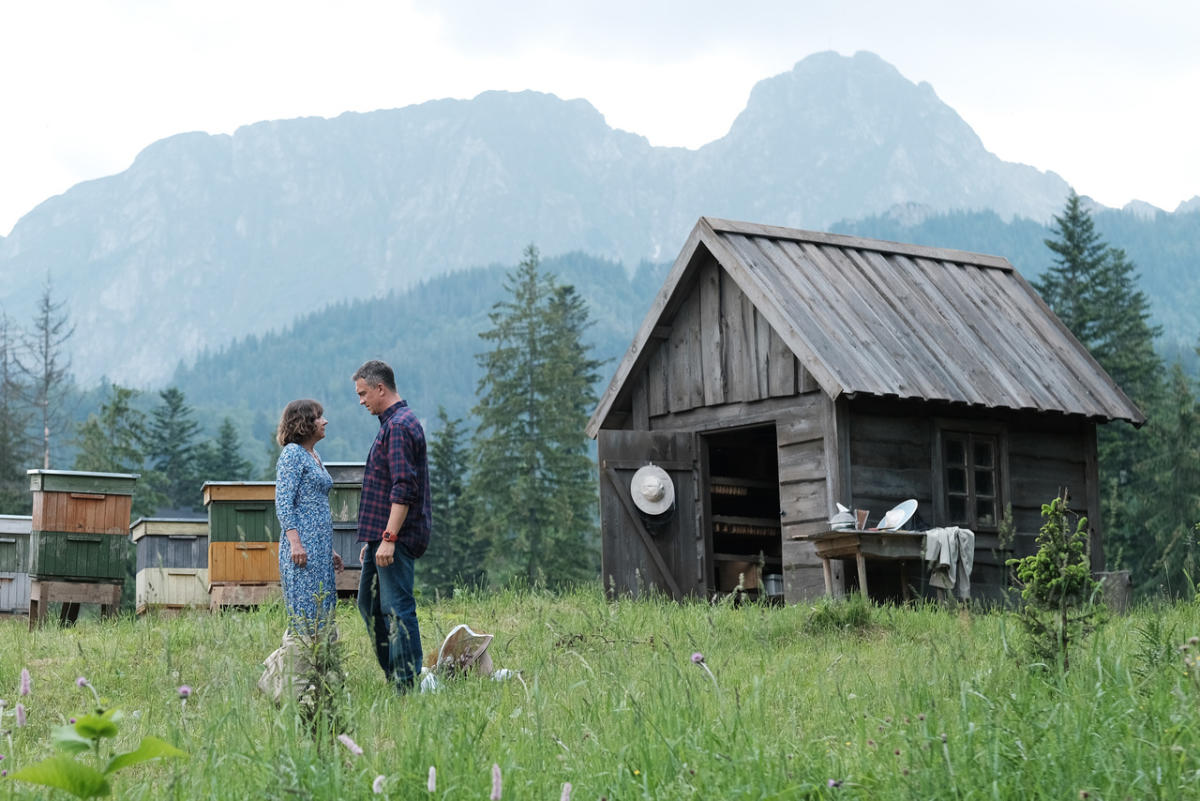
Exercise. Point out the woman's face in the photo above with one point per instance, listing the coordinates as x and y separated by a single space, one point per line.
319 434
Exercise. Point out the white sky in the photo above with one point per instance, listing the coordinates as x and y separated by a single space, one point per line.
1105 93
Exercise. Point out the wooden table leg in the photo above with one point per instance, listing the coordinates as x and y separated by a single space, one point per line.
862 572
904 592
828 576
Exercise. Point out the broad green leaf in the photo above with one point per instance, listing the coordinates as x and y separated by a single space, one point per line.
149 748
65 773
96 726
65 738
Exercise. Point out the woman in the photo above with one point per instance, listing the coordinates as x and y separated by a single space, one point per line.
307 560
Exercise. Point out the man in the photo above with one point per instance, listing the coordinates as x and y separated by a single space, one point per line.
393 525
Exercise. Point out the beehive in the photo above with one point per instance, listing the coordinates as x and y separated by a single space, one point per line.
80 525
14 564
243 532
347 488
172 563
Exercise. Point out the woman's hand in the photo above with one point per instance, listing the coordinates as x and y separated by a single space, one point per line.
299 555
338 565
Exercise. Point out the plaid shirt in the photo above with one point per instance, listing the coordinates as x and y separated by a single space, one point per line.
397 472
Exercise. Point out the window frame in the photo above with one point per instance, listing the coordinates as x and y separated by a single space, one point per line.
969 429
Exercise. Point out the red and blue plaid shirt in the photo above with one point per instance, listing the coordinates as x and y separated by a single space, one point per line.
397 472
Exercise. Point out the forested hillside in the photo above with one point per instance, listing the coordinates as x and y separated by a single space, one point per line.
430 334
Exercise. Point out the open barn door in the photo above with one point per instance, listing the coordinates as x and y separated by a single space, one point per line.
641 551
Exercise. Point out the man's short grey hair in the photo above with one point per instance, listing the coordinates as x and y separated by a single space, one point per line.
375 373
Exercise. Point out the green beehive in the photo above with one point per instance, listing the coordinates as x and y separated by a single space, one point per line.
347 488
14 543
241 511
78 556
76 481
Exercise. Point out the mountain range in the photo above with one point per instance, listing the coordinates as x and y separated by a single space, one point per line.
208 238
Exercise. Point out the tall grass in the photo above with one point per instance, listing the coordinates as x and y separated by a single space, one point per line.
808 701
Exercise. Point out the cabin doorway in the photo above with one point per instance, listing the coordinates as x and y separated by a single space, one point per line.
743 514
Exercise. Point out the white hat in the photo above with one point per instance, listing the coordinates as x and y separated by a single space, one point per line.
463 651
652 490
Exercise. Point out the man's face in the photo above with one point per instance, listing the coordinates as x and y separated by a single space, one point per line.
370 397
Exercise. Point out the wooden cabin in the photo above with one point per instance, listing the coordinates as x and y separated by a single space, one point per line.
779 372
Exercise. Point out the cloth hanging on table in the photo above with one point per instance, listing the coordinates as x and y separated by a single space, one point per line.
950 555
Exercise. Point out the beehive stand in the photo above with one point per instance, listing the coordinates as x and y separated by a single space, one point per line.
70 594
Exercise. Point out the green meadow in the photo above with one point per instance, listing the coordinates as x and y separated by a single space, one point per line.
814 701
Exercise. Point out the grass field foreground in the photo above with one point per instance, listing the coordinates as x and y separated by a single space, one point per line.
639 700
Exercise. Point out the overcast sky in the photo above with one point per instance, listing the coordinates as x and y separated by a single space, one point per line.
1105 93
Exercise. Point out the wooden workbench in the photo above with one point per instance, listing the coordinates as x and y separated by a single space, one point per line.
898 546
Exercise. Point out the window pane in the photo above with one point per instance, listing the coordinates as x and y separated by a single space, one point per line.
956 480
983 453
984 483
956 452
985 512
956 506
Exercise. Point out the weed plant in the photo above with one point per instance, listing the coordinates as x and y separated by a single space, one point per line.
639 699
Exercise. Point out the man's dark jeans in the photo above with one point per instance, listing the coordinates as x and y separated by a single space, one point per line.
386 603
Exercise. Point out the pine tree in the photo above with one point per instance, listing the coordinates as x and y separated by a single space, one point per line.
116 441
172 448
47 366
221 459
1170 481
16 449
1094 290
532 409
457 555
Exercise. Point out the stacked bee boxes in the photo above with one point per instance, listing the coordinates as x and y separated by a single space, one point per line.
14 564
243 542
343 503
79 544
172 563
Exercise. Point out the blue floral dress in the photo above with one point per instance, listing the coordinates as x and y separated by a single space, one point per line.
302 487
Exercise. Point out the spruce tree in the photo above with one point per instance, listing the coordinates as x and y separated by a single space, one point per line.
1094 291
532 409
47 367
172 447
16 448
221 459
116 440
457 556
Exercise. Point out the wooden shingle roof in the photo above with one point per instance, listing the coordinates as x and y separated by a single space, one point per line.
867 317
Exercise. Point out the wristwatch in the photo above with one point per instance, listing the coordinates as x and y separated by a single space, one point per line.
390 536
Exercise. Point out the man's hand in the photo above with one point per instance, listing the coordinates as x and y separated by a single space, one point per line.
384 553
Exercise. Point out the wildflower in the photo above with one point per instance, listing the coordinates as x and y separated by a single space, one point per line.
71 721
82 682
495 796
184 691
24 681
896 752
377 785
20 715
1194 640
834 783
3 773
697 657
351 746
943 737
431 785
566 792
921 716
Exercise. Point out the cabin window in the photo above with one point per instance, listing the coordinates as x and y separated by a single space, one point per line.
971 472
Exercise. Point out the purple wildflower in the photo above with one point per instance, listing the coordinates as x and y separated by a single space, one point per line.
350 744
82 682
3 773
377 785
71 721
24 681
496 784
431 785
697 657
834 783
184 691
20 715
566 793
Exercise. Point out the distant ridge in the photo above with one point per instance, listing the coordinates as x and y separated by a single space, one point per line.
205 238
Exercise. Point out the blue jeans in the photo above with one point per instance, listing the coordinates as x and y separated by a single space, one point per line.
387 606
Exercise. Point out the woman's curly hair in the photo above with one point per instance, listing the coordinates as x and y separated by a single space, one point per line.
299 421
